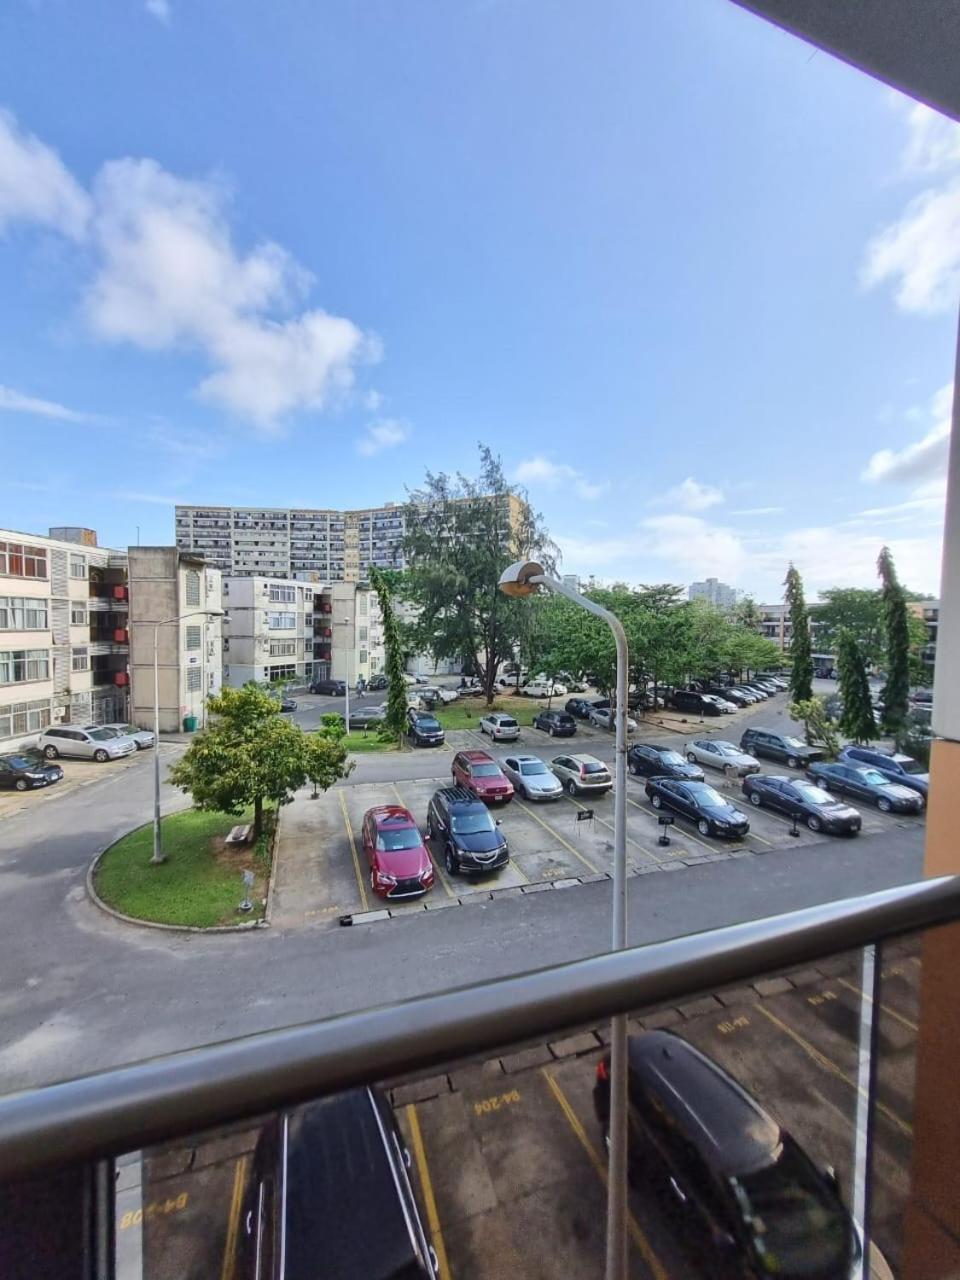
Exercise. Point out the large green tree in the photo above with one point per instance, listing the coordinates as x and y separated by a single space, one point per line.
461 533
896 630
855 610
746 614
857 720
801 670
250 753
396 719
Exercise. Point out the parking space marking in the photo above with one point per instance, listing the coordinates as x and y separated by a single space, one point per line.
557 836
639 1239
687 835
353 852
426 1186
885 1008
609 825
436 861
829 1065
233 1222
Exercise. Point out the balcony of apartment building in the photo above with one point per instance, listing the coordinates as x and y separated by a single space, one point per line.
109 668
108 589
109 631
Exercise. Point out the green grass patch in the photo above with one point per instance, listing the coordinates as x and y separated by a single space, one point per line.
359 741
199 884
465 713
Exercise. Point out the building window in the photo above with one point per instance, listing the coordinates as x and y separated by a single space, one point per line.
194 637
18 560
282 595
363 602
193 679
20 665
78 615
19 613
363 655
282 648
192 588
24 717
78 566
281 621
79 660
363 633
285 672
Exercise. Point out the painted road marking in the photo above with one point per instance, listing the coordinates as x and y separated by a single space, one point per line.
233 1222
353 851
828 1064
557 836
639 1239
609 825
488 1105
435 861
687 835
892 1013
426 1186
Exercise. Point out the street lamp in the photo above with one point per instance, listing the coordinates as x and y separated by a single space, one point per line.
523 579
158 854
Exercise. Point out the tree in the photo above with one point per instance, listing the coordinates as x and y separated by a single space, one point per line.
896 630
746 614
812 714
857 720
250 753
461 535
855 610
801 672
396 719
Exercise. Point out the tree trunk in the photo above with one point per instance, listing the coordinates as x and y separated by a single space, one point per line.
257 818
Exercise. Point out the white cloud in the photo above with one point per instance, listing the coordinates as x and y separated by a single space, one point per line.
923 459
131 495
933 143
160 9
690 495
16 402
757 511
35 185
920 253
386 434
552 475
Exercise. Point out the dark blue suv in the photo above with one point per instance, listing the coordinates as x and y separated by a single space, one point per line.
896 767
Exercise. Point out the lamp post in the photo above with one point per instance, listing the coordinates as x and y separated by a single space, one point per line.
523 579
158 854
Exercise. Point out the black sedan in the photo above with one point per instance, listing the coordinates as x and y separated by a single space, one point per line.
425 729
700 802
867 784
559 724
579 707
288 704
660 762
805 800
22 771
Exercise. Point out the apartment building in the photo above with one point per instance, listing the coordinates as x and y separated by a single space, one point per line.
63 632
268 634
351 633
175 590
719 594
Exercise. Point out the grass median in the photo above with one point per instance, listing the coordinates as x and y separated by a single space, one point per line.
200 883
465 713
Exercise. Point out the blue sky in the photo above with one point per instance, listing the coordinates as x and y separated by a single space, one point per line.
694 282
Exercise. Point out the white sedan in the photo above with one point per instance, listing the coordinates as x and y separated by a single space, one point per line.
721 755
142 737
543 689
601 718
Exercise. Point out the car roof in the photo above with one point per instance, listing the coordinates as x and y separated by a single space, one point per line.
583 758
496 715
460 797
478 757
393 815
728 1127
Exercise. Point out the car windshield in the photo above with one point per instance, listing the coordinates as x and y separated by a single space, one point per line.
873 776
21 762
401 838
814 795
727 748
800 1223
671 757
910 766
472 824
428 722
593 766
485 770
103 735
793 742
705 794
528 767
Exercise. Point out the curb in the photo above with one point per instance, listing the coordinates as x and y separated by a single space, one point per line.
244 927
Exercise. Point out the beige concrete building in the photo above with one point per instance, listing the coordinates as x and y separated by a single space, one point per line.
355 639
268 634
173 588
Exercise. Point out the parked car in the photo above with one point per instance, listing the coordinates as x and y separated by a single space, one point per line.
690 700
728 694
433 693
755 689
425 729
795 753
766 685
751 1201
749 696
894 766
289 704
400 865
23 771
365 717
574 683
701 803
461 825
543 689
481 775
726 707
580 708
142 737
582 774
531 778
332 688
500 726
661 762
721 755
779 682
803 799
603 717
378 682
867 784
923 697
93 742
559 724
330 1180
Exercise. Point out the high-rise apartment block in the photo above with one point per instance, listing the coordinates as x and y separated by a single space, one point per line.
716 593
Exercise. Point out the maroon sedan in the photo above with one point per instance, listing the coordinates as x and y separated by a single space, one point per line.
400 865
482 776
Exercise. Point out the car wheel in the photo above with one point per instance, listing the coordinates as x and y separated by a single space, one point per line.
814 823
100 756
656 801
691 757
883 804
703 826
21 784
756 798
51 753
793 762
450 860
552 732
571 787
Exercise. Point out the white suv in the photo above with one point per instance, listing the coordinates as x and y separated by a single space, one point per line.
92 742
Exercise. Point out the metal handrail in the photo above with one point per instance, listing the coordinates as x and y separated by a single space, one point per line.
132 1107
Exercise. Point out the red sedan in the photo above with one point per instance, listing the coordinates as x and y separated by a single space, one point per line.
400 865
481 775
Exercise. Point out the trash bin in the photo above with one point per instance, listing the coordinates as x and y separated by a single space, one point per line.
190 724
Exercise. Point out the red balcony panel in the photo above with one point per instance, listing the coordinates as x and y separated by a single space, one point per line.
121 677
120 593
121 636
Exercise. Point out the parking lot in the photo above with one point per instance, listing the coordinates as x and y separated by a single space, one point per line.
321 876
76 773
507 1153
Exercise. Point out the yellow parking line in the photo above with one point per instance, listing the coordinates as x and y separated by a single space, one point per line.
353 851
639 1239
610 826
233 1222
426 1186
436 861
557 836
828 1064
687 835
892 1013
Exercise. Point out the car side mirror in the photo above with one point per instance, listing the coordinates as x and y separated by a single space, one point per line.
499 822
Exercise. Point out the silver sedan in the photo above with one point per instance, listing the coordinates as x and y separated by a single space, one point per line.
721 755
531 778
